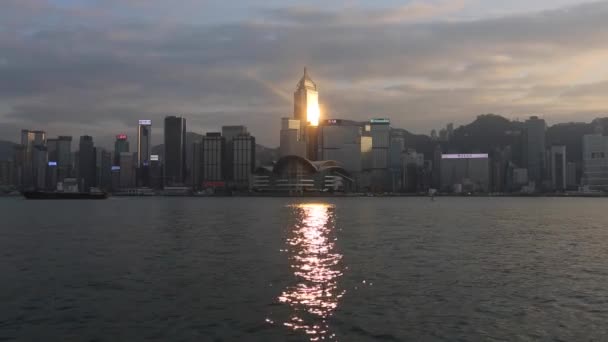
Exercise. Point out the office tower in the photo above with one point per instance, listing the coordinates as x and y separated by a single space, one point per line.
306 110
380 130
572 181
229 133
396 149
212 150
534 149
104 169
86 163
174 168
64 157
127 170
121 145
242 160
291 143
557 167
51 147
306 102
340 140
52 172
412 171
29 139
465 172
595 162
144 142
40 164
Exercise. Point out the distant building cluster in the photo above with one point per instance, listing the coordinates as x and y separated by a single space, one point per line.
317 154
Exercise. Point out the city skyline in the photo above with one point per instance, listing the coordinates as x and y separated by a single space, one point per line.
422 64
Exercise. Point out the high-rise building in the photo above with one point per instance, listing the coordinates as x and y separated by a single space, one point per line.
307 111
534 149
595 162
557 165
30 139
212 152
7 173
40 164
144 142
380 130
174 167
104 169
306 102
121 145
465 172
242 160
572 181
229 133
291 140
86 163
340 140
64 157
127 170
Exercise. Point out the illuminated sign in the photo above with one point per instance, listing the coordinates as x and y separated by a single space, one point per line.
465 156
380 121
52 163
154 157
115 168
145 122
121 137
333 122
146 163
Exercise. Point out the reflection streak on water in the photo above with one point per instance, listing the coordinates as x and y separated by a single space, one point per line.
316 266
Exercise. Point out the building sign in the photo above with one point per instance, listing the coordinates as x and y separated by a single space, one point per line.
115 168
380 121
52 163
465 156
145 122
154 157
121 137
333 122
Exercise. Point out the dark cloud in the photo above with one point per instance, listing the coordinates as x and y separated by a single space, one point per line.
89 71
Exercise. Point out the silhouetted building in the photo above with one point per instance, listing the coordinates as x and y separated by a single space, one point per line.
127 170
380 130
595 162
212 152
534 149
86 163
291 141
242 162
557 167
465 172
174 167
144 150
121 145
65 165
30 139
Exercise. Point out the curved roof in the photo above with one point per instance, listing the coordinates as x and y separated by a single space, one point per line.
312 166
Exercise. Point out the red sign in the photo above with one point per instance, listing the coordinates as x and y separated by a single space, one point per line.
121 137
214 184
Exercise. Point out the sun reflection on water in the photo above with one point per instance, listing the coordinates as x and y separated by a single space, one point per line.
316 266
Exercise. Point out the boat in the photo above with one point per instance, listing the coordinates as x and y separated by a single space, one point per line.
64 195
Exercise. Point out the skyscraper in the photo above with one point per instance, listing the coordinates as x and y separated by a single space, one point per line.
121 145
534 149
291 143
595 162
30 139
144 142
557 164
64 157
306 102
306 110
242 160
175 151
86 163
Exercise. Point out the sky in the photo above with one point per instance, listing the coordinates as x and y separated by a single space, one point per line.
75 67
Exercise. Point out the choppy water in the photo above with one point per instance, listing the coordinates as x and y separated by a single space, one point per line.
271 269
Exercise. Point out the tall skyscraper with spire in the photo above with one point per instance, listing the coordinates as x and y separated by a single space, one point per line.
306 111
306 102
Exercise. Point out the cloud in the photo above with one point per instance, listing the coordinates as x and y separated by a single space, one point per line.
94 70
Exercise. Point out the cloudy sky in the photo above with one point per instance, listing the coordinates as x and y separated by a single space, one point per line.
97 66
